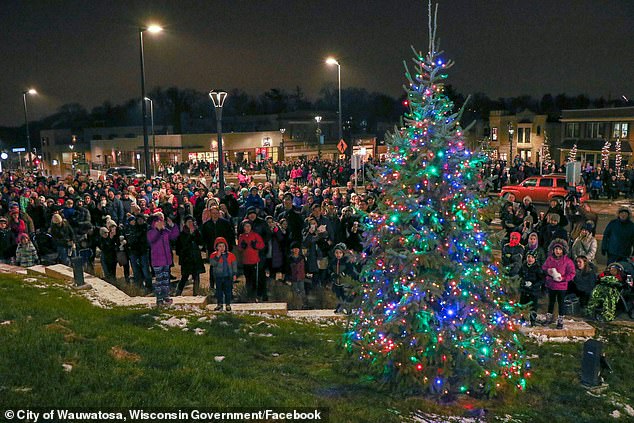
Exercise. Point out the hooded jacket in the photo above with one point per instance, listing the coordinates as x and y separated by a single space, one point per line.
559 271
159 240
223 265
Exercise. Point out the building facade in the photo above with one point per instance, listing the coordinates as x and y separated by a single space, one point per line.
592 129
520 135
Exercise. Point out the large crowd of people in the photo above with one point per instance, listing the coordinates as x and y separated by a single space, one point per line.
599 181
297 225
301 224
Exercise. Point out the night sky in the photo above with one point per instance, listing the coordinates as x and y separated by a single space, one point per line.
87 51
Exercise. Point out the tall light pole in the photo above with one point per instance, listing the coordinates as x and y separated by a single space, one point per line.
282 130
153 135
511 131
218 98
333 61
146 146
30 91
318 133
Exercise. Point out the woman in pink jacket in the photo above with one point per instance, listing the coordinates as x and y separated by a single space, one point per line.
559 270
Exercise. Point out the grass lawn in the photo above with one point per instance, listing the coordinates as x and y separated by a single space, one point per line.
58 350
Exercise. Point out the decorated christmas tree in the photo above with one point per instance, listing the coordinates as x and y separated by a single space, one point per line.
434 312
572 154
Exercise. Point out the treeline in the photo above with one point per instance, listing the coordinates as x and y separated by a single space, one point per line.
363 110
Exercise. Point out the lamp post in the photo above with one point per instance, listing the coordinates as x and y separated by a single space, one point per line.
153 135
146 146
333 61
318 133
511 131
30 91
218 98
282 130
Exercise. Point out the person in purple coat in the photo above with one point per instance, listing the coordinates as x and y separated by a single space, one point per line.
159 237
560 270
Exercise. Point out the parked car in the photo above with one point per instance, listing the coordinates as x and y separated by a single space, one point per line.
544 188
125 171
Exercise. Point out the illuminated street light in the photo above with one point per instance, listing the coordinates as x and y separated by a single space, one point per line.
218 98
146 147
30 91
333 61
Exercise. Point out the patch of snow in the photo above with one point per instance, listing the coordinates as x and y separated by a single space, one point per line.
174 322
615 414
6 323
275 355
202 319
67 367
419 416
199 331
219 358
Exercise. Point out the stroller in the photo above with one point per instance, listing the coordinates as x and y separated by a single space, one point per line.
612 292
43 242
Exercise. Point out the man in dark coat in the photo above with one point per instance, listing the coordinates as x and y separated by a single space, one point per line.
292 216
215 227
618 237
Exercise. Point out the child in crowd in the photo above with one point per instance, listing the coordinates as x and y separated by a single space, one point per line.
530 288
602 303
296 274
26 254
224 267
340 267
512 255
560 270
584 281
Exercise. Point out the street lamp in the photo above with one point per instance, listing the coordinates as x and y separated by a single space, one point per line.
318 133
146 146
218 98
282 130
30 91
153 135
333 61
511 131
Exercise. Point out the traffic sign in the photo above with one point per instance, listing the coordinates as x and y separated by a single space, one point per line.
342 146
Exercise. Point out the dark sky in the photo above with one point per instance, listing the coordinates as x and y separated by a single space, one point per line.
87 51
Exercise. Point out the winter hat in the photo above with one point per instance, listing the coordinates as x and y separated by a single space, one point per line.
617 265
56 219
103 232
558 242
528 219
221 240
515 238
341 246
3 219
188 218
296 244
588 226
23 236
625 209
131 218
251 210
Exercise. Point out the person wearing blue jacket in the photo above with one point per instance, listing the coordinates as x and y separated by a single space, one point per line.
618 237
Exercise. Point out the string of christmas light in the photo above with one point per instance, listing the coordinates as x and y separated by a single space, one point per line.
433 309
619 157
605 155
547 160
572 154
